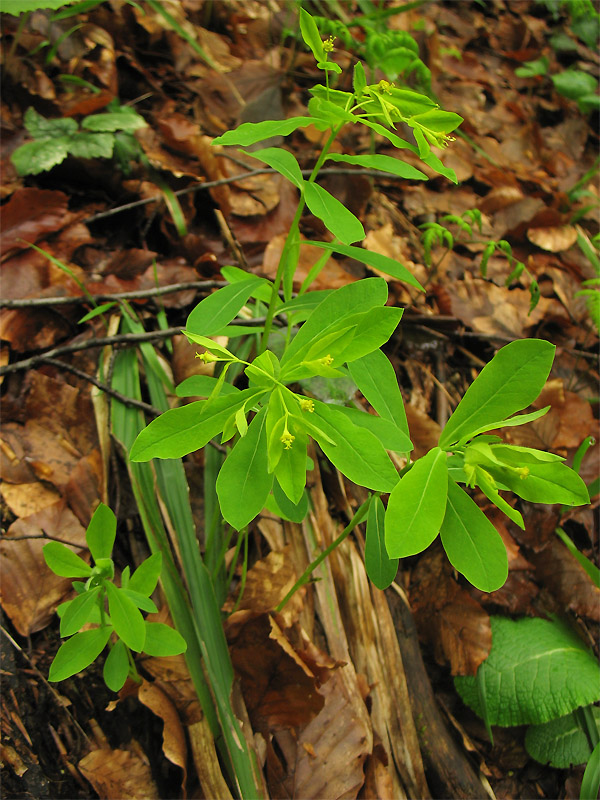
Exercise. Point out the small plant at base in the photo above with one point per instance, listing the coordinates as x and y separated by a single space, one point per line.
122 627
341 337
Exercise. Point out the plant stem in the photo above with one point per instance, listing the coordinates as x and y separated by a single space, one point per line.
303 579
292 234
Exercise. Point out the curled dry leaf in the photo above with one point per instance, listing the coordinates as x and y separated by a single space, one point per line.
119 773
174 745
555 239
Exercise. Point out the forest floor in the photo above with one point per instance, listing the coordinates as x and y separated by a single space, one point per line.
525 158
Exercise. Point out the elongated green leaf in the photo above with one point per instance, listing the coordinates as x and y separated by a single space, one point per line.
488 486
310 34
473 545
212 346
101 532
561 742
283 506
357 453
510 382
388 433
64 562
126 618
146 576
162 640
219 308
79 612
552 482
78 652
336 217
251 132
331 313
590 783
519 419
537 670
244 482
141 601
438 121
377 260
125 119
202 386
180 431
283 162
416 506
373 330
290 471
384 163
381 569
376 379
116 667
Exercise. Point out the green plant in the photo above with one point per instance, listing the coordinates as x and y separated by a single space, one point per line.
98 136
270 422
540 674
115 612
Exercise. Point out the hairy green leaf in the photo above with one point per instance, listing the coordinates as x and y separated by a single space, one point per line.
560 742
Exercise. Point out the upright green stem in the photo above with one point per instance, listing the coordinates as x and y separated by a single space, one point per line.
289 240
303 579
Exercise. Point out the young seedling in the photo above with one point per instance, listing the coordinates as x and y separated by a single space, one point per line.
113 612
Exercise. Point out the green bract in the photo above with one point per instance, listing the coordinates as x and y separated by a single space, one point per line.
122 626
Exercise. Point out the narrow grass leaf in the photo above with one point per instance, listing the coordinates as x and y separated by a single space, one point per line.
416 506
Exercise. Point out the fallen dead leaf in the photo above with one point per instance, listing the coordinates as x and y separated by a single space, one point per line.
174 744
119 773
555 240
25 499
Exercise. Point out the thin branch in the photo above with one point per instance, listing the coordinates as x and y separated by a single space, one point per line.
33 302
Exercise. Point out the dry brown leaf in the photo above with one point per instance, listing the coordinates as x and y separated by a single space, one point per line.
174 744
29 591
554 240
332 276
29 215
25 499
267 583
119 773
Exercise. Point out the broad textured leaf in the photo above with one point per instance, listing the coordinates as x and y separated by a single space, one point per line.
65 562
126 618
537 670
79 611
180 431
473 545
560 742
357 453
146 576
162 640
92 145
78 652
42 128
384 163
126 119
244 483
381 569
116 667
375 377
335 216
511 381
101 532
35 157
377 260
416 506
251 132
219 308
283 162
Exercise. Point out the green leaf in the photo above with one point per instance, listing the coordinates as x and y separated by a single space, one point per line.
381 569
146 576
35 157
213 347
376 379
101 532
116 667
219 308
244 483
544 483
202 386
335 216
473 545
520 419
537 670
574 83
42 128
383 163
373 330
416 506
180 431
251 132
388 433
78 652
357 453
359 79
377 260
590 783
283 162
141 601
437 120
125 119
283 506
79 612
64 562
290 471
92 145
311 36
126 618
162 640
560 742
510 382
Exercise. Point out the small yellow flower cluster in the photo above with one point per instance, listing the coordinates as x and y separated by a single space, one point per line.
385 86
326 360
207 357
287 439
306 404
328 44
